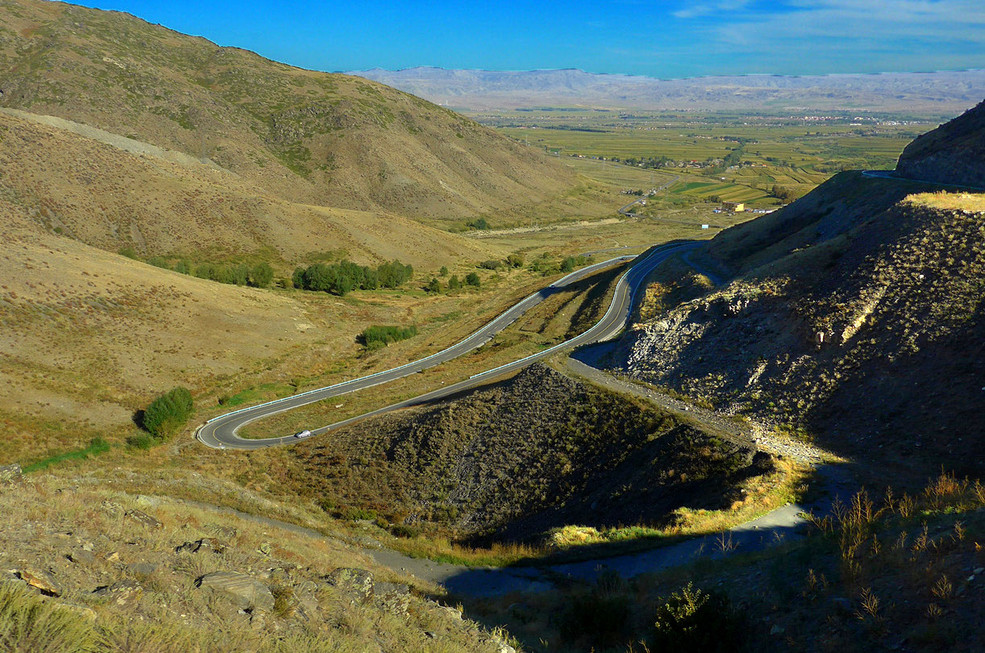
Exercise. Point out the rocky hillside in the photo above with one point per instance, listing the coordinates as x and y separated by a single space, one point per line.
84 570
537 452
854 314
306 137
953 153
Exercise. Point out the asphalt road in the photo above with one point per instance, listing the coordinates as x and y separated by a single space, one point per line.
220 432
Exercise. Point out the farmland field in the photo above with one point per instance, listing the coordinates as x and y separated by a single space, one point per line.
710 157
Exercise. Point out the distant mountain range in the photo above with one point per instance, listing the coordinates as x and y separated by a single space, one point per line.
936 93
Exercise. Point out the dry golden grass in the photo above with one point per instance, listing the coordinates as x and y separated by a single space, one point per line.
48 519
974 202
183 207
305 136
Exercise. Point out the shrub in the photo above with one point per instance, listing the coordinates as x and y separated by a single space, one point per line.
454 283
261 275
491 264
698 621
168 413
140 441
472 279
515 260
480 224
377 336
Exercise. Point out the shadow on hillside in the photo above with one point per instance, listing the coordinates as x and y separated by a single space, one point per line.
631 558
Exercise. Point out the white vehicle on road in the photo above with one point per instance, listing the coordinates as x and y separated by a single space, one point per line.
303 434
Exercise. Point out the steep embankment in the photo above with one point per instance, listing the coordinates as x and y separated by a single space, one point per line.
954 153
855 315
537 452
306 137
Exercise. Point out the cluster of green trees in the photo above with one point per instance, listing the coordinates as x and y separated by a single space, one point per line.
168 413
454 283
378 336
241 274
345 276
547 265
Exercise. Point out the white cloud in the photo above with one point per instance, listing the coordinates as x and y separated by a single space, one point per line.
694 10
859 34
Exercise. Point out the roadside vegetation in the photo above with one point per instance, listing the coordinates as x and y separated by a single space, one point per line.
168 413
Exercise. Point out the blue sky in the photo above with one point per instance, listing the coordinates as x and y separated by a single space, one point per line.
642 37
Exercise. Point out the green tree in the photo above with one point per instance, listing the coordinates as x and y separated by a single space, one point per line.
168 413
443 272
568 264
454 283
434 286
515 260
261 275
472 279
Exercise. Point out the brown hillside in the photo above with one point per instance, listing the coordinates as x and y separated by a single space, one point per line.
115 192
304 136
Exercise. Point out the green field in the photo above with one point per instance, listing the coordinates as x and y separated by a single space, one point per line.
643 150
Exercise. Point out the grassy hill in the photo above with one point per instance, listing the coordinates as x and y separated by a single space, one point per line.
298 135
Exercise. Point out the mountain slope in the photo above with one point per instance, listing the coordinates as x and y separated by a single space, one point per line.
306 137
857 313
112 192
954 153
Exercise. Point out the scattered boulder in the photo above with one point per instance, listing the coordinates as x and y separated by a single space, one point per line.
112 507
142 569
394 597
244 591
143 518
10 474
225 532
82 557
353 581
203 545
123 593
40 580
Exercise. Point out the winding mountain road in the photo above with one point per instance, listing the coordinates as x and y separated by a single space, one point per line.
220 432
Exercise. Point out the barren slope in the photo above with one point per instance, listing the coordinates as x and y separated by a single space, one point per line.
304 136
111 192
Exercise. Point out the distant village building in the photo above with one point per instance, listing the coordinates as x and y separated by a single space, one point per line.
733 207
